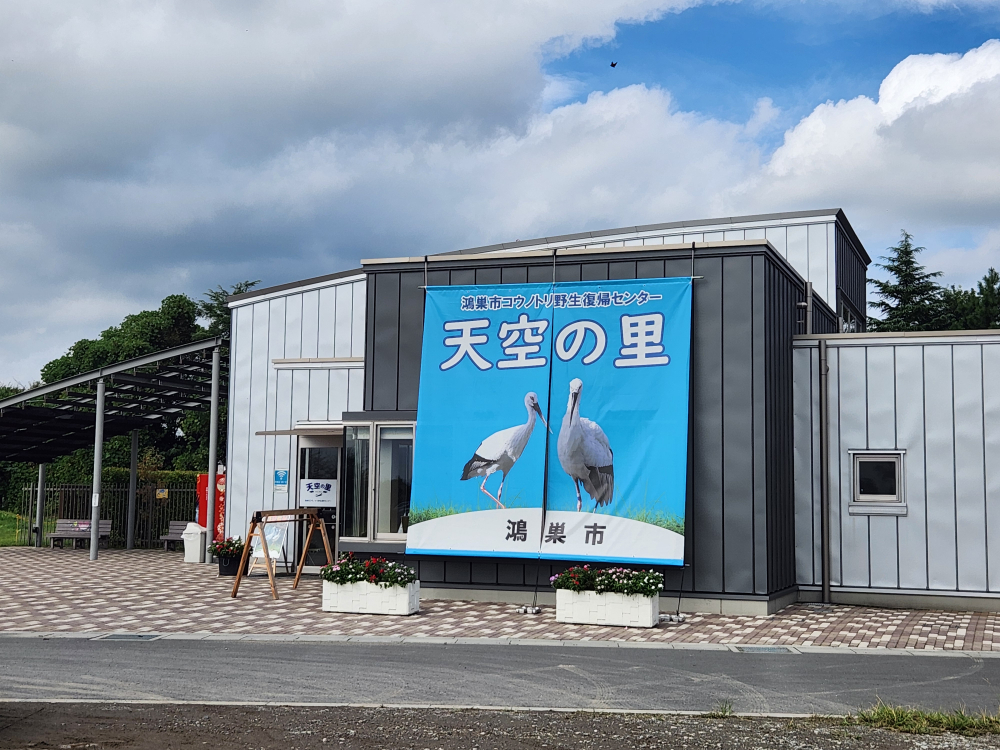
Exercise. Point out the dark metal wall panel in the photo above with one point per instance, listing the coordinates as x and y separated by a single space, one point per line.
852 275
463 276
568 272
488 275
539 274
386 337
622 270
736 460
783 296
759 395
706 417
438 278
594 272
411 308
649 269
369 340
514 275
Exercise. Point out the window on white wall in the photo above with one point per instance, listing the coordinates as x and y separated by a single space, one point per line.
877 483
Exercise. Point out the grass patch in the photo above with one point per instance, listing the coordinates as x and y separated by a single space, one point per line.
432 511
915 721
10 526
658 518
722 710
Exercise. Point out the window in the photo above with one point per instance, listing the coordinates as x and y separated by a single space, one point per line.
377 472
354 513
395 471
878 483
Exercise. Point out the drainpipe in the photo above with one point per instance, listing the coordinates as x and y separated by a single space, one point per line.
824 466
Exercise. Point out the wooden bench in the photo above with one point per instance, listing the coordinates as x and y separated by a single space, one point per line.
175 533
77 530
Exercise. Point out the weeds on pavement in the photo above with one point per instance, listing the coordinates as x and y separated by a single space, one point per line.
915 721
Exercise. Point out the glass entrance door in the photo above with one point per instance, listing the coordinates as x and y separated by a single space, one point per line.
395 471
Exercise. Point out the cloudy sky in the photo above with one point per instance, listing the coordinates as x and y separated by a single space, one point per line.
149 148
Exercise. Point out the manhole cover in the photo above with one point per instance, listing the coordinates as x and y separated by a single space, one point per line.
764 649
127 637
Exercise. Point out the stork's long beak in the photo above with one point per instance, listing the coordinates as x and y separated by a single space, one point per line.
538 409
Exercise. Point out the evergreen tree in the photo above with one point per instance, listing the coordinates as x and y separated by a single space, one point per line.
911 300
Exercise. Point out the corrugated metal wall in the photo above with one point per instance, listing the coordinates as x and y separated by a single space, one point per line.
852 275
740 501
325 323
937 397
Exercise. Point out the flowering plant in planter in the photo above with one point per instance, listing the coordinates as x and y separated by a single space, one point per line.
617 580
229 547
608 596
377 570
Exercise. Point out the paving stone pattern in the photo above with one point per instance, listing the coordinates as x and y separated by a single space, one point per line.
153 591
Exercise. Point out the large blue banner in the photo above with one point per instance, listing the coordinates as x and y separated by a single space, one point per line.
552 421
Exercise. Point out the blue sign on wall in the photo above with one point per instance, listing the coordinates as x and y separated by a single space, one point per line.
552 421
281 480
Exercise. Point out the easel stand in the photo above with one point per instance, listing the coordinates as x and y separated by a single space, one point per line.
257 525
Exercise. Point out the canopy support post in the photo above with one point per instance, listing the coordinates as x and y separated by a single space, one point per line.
40 506
95 499
133 487
213 457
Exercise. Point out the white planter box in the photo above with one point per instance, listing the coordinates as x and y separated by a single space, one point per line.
591 608
371 599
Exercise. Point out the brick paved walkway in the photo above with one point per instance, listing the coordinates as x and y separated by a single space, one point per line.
152 591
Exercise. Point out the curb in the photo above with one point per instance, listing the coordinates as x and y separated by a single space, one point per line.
424 707
745 649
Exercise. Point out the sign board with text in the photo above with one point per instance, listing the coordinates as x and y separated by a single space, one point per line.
606 366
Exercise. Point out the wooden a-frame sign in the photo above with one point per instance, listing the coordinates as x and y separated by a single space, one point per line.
257 524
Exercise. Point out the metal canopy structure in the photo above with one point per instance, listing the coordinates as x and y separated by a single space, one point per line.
56 419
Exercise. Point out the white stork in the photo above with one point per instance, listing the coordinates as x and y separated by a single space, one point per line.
500 450
585 453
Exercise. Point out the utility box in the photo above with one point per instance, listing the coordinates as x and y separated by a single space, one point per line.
194 543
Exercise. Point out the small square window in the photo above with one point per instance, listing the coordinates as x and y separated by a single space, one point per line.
878 482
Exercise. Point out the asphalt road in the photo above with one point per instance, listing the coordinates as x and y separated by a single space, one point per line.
489 675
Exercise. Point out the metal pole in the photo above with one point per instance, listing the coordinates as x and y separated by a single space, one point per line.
133 488
213 458
40 506
824 466
95 498
809 308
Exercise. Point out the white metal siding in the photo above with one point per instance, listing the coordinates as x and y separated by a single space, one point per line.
938 398
323 323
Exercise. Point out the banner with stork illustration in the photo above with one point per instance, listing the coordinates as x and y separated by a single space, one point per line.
552 421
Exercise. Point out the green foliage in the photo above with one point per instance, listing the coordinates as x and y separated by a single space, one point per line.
229 547
433 511
8 528
377 570
579 578
173 324
179 444
911 299
216 310
723 710
615 580
915 721
972 309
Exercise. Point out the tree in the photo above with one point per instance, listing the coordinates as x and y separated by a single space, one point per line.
973 309
216 309
910 300
180 443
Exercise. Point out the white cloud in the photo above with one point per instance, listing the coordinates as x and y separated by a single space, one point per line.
154 147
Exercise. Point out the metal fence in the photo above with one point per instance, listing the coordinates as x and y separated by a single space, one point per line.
156 506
